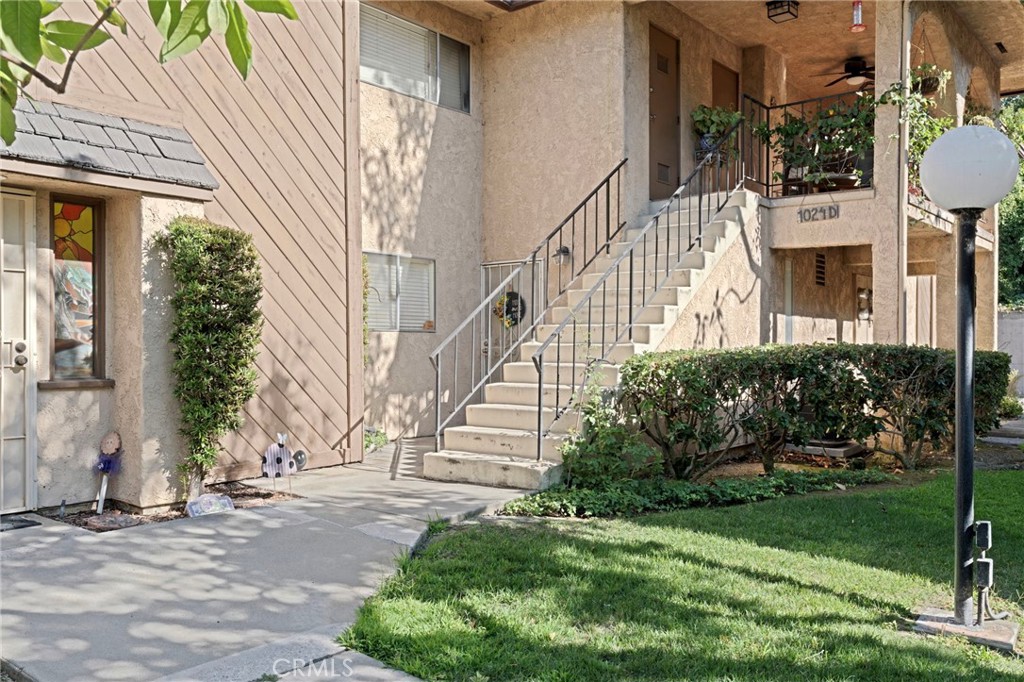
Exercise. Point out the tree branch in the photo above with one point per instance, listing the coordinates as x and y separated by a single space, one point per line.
61 86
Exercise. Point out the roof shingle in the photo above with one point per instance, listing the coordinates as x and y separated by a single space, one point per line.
59 134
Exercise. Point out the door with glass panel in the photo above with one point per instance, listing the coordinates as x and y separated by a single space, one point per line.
17 353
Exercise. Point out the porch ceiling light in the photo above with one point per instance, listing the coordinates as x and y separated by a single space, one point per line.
781 11
856 81
966 171
858 17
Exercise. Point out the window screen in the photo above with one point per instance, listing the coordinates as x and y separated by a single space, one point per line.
402 56
454 74
401 295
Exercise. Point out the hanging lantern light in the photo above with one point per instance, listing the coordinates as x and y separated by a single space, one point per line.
858 17
781 11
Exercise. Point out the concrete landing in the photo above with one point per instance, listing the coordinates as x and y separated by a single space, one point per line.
228 597
998 634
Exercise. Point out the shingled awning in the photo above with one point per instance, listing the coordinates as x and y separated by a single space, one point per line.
57 134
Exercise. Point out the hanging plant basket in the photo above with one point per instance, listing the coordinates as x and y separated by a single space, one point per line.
510 308
928 84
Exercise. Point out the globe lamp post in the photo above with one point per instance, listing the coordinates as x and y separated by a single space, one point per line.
967 170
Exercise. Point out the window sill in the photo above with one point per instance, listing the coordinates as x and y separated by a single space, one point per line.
74 384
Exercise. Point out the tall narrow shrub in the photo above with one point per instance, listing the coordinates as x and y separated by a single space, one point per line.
215 334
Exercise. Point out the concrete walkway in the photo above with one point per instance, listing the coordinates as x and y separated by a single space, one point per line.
230 597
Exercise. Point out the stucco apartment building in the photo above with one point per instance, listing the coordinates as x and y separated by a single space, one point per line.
440 143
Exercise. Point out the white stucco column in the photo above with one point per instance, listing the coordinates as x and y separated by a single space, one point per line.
145 408
889 242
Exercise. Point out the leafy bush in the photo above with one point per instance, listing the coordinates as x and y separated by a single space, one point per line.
629 498
1010 408
695 405
607 450
374 439
672 398
217 326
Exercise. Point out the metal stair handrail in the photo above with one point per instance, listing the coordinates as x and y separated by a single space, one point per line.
585 232
722 166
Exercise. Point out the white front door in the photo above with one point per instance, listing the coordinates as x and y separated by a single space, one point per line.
17 353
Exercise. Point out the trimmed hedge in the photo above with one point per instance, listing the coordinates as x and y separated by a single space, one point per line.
628 498
693 405
216 334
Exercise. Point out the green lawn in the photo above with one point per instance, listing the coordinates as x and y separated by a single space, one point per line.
801 588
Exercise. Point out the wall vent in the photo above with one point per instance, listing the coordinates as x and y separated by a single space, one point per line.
819 269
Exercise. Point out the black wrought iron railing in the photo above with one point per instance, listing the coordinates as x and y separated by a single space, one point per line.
804 156
509 314
608 313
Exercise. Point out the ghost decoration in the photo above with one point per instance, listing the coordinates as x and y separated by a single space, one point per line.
278 460
108 464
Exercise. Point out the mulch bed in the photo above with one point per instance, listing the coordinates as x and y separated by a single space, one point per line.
242 496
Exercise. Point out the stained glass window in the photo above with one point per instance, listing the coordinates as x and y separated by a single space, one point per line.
74 290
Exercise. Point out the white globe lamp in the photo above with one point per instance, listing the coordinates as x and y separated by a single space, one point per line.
969 167
966 171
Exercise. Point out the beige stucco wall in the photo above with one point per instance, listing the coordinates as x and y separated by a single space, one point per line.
699 46
69 423
730 307
140 405
553 111
1011 340
422 195
819 313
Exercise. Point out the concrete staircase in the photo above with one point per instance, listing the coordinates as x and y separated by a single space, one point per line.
498 444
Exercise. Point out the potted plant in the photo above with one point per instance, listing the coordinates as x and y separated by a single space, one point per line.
917 111
843 135
826 150
710 124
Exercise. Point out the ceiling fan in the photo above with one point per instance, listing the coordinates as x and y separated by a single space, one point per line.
856 72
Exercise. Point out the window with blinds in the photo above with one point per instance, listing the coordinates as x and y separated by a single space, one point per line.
408 58
401 295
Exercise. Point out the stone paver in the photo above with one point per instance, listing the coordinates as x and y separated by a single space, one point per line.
231 596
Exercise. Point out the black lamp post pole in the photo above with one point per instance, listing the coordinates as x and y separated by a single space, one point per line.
963 583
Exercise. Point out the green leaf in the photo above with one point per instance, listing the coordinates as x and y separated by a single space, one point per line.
192 29
68 34
7 123
282 7
8 84
19 24
52 51
237 39
165 14
115 18
217 15
49 7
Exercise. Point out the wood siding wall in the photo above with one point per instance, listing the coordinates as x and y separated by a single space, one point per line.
281 145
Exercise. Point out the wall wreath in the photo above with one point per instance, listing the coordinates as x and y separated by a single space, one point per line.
510 308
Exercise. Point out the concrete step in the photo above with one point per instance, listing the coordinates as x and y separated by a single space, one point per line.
676 290
522 417
648 256
503 393
510 442
495 470
563 352
525 372
677 277
680 274
654 314
665 239
642 333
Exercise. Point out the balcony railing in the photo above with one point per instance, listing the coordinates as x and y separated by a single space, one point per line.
813 145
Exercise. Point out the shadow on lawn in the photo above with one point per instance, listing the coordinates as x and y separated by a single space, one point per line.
907 530
544 604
